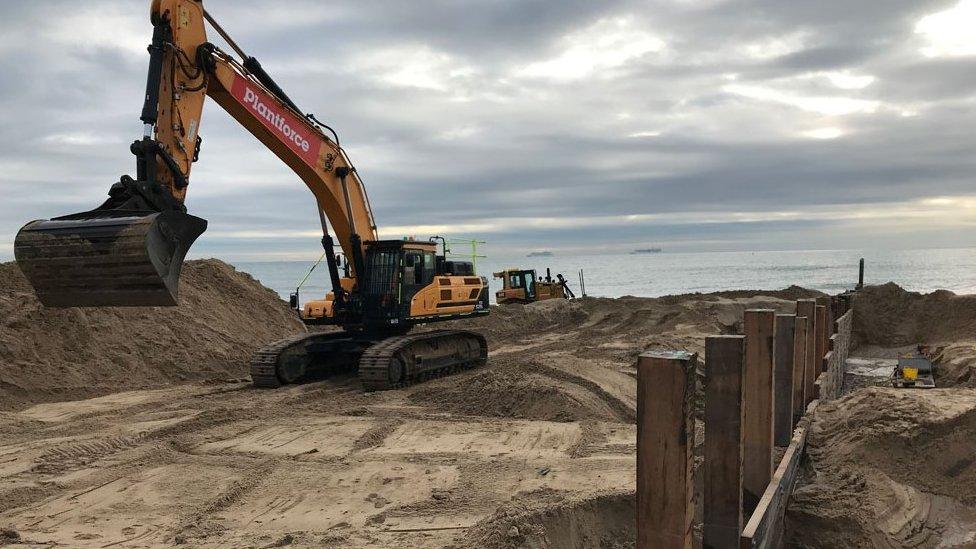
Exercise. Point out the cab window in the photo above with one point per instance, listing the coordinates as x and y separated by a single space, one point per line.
418 268
413 268
430 267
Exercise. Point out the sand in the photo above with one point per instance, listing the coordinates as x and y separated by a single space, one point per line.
890 468
51 354
549 519
943 323
894 467
889 315
536 449
135 428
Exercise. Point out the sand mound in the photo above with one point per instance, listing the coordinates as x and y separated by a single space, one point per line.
632 317
513 322
524 390
545 520
956 363
889 468
517 318
563 360
891 316
59 354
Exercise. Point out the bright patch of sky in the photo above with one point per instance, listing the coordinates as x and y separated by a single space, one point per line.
951 32
609 43
827 105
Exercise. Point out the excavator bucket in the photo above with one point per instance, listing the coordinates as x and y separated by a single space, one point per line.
107 258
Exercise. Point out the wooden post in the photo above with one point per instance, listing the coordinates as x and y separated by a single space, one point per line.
757 396
725 357
822 337
799 372
829 323
808 308
665 440
783 376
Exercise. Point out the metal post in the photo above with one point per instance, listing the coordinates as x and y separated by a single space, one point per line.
860 275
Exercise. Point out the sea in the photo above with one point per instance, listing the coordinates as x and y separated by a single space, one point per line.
659 274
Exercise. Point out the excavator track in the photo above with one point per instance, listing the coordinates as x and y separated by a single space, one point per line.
389 363
404 360
295 359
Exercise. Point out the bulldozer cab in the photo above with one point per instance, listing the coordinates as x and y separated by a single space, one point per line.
523 286
518 286
524 280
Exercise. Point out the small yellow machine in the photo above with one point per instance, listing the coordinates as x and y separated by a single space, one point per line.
521 286
913 371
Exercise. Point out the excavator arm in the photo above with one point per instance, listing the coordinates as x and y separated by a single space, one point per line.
129 251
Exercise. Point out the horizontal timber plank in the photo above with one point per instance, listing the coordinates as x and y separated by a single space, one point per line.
765 527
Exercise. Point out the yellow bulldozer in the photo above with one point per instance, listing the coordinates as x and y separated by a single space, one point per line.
522 286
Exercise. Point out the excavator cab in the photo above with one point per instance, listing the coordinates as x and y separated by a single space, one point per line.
383 282
406 282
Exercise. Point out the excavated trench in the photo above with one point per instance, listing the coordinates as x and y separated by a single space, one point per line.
893 467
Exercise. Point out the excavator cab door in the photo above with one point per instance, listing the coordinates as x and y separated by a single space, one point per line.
382 288
418 272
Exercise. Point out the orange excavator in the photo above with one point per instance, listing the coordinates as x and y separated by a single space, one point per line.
129 251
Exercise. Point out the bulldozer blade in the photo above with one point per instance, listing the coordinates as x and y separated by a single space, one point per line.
107 258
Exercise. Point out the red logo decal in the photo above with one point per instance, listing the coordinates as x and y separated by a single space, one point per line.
292 131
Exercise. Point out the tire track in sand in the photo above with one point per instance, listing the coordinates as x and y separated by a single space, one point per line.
624 411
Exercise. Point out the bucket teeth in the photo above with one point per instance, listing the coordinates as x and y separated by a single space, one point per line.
108 259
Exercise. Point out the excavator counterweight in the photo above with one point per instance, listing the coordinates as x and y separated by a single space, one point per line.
112 258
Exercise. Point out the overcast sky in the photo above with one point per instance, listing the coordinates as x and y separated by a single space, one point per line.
568 125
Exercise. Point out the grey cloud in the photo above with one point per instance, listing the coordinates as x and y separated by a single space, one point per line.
534 147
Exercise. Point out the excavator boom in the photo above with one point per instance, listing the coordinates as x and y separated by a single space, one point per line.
129 250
